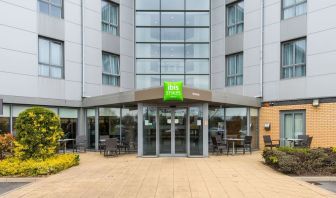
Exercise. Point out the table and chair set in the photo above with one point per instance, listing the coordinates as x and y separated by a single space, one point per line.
302 141
233 143
113 147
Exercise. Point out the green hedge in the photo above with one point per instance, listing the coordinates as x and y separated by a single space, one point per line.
302 161
31 167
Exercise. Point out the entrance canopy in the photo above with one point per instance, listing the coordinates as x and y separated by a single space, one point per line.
155 96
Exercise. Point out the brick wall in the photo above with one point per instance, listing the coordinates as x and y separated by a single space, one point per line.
320 122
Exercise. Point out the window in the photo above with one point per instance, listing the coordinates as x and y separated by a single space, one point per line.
293 123
50 54
110 17
293 59
234 70
111 69
51 7
293 8
172 42
235 18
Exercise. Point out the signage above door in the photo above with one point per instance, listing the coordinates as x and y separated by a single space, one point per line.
173 91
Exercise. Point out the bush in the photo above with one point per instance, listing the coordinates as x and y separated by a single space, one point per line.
32 167
38 132
6 144
298 161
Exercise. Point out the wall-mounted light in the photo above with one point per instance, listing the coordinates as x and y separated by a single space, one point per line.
316 102
267 126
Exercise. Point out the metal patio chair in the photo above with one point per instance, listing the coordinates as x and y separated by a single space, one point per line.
219 147
268 142
111 147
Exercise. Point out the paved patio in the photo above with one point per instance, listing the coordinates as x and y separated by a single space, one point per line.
129 176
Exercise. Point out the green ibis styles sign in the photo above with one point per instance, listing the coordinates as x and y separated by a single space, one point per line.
173 91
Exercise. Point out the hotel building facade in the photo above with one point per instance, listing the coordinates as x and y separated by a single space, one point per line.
252 67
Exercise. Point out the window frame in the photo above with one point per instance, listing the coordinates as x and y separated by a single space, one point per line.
117 76
50 3
50 41
236 75
294 65
283 8
236 24
111 3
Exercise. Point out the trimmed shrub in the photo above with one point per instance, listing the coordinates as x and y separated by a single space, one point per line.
38 167
298 161
38 131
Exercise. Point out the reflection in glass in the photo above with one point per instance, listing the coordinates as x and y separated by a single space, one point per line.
172 78
197 66
149 131
5 120
197 19
172 5
148 34
172 34
198 81
147 81
197 35
91 126
216 123
236 122
148 50
129 132
148 66
254 132
180 121
172 50
165 121
197 4
148 19
197 51
109 122
172 19
196 130
147 4
172 66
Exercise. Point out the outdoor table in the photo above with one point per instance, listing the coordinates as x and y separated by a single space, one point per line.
233 140
64 141
292 140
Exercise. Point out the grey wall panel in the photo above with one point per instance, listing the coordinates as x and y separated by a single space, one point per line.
73 90
251 75
218 80
51 27
321 64
110 43
271 91
293 28
271 72
251 56
234 44
272 12
321 86
292 89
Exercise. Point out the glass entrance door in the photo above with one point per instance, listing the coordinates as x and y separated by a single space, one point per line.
173 131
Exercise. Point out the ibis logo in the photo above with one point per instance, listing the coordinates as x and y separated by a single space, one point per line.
173 91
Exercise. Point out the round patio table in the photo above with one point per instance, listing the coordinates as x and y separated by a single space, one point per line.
64 141
292 141
233 140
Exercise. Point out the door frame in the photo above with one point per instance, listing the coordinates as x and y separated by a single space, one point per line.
173 130
282 123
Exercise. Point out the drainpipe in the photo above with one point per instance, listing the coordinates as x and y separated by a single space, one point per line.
83 47
262 50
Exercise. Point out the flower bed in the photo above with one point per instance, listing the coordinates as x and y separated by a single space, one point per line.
301 161
34 167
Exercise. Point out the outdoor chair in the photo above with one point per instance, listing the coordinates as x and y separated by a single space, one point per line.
81 144
247 144
101 145
111 147
303 142
217 146
269 142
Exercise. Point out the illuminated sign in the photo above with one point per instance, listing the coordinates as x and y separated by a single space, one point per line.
173 91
